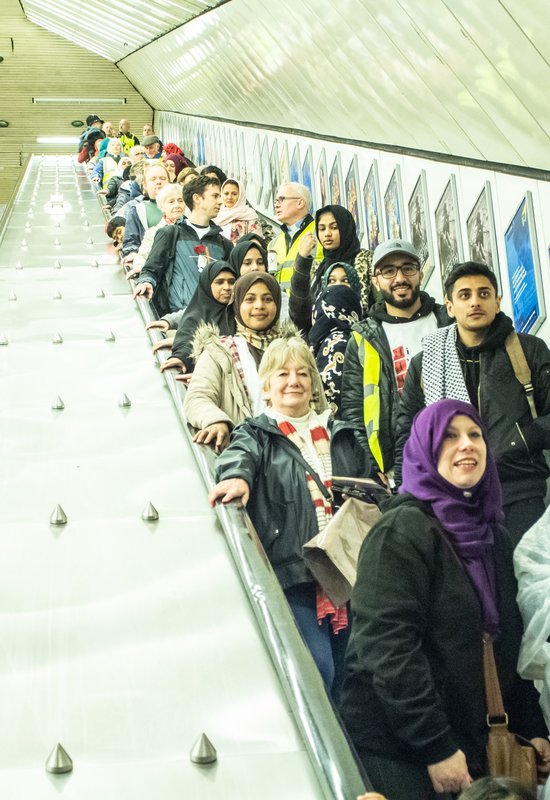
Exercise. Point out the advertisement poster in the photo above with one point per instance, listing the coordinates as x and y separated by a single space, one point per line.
266 173
284 166
421 229
393 203
353 200
482 245
295 172
372 204
274 162
524 269
322 180
257 161
336 185
449 242
307 174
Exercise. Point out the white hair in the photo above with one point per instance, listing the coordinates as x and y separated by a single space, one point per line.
300 191
167 192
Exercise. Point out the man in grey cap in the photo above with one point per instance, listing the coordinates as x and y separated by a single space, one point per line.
381 347
153 147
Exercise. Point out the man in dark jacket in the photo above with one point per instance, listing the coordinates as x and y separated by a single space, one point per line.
471 361
181 251
381 347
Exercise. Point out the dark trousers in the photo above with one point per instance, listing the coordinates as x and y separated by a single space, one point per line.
399 780
520 516
326 647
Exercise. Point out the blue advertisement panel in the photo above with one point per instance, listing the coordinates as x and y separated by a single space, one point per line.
524 268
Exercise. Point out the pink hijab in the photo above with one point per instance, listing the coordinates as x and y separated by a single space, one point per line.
239 212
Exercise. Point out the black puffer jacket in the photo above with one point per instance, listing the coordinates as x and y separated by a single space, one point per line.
280 505
517 442
352 403
413 687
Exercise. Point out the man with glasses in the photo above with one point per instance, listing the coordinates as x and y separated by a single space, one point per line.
292 210
382 345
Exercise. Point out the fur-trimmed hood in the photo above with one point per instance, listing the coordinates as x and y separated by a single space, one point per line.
207 334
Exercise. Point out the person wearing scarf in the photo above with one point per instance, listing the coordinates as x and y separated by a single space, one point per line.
248 256
337 233
282 462
211 303
434 577
236 217
170 202
178 161
336 309
224 388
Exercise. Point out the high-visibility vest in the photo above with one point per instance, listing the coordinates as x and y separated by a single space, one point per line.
127 141
110 166
370 359
286 258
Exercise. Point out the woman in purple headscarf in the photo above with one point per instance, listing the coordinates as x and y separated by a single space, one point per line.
435 576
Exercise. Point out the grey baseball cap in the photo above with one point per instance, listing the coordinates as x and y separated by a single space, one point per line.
393 246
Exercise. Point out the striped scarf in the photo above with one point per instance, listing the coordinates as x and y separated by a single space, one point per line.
323 505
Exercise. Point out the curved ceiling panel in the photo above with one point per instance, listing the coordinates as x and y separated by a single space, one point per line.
434 76
113 28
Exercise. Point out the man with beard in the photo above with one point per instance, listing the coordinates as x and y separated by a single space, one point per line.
381 347
479 359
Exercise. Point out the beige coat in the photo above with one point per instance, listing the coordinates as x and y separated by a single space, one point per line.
216 392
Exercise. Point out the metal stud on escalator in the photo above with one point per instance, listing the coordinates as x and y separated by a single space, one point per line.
150 513
57 339
124 401
203 751
58 516
59 761
58 404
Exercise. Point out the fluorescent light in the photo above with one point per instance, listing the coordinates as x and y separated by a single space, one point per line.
57 139
113 101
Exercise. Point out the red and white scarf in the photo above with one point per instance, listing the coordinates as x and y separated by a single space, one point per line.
323 505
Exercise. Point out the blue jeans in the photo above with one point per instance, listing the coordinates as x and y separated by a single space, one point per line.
326 647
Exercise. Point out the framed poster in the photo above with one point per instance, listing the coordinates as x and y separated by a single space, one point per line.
393 204
257 173
522 256
322 181
307 175
482 242
284 166
421 229
447 227
274 161
295 171
243 176
372 205
266 173
353 200
336 183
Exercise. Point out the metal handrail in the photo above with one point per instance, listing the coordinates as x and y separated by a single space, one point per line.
6 215
329 750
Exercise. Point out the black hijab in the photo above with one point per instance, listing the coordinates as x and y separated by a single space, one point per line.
239 252
349 242
204 308
253 237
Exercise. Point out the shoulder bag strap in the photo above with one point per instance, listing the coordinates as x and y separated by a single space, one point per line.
496 714
297 456
521 368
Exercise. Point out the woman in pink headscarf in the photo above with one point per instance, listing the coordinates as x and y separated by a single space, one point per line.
236 217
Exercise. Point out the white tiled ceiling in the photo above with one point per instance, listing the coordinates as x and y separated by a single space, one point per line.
113 28
448 76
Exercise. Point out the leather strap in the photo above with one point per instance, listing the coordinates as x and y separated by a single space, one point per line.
521 368
495 707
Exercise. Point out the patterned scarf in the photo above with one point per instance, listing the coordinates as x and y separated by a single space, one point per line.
257 340
323 505
442 376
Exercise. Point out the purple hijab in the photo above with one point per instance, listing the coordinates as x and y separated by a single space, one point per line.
467 516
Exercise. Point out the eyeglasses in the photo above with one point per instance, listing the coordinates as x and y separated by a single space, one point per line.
390 271
281 199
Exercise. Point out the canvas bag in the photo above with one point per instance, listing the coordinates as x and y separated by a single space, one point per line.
507 754
332 554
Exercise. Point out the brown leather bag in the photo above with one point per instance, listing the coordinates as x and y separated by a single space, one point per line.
508 755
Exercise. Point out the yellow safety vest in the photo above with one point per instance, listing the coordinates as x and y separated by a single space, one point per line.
110 166
286 258
370 359
127 142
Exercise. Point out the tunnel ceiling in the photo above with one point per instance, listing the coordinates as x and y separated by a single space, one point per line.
454 77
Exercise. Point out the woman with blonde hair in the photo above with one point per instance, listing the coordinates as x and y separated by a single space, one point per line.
280 465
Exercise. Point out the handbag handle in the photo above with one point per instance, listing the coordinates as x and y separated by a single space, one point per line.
496 715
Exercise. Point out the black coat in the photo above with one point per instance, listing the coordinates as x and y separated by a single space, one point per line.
280 504
414 687
516 441
352 403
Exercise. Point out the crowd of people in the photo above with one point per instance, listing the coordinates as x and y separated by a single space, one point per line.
306 356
